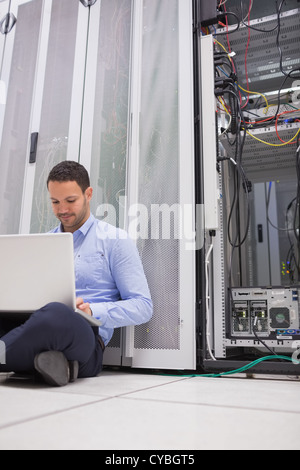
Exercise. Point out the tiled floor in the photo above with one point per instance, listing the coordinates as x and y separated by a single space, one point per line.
130 410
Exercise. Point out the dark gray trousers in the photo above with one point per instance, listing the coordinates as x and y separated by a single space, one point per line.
54 327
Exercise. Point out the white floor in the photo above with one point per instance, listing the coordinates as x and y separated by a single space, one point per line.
133 411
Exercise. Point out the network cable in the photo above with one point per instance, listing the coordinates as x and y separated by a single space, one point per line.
243 369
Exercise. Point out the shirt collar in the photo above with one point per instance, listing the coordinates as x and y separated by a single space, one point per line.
87 225
84 228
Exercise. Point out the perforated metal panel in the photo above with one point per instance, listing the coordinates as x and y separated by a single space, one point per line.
263 54
260 160
159 169
115 341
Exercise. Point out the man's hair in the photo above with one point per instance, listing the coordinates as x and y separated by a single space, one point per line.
70 171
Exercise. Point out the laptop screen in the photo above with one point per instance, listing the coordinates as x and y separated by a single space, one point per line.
35 270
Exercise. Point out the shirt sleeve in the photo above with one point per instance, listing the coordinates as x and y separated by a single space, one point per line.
135 305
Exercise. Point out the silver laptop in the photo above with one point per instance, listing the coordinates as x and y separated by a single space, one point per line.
35 270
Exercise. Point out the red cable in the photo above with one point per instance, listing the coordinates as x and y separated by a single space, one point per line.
276 127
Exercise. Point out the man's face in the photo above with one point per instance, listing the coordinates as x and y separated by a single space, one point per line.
70 205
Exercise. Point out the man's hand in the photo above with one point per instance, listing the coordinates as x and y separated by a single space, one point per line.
84 306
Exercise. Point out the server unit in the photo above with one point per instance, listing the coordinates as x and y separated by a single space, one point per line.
266 313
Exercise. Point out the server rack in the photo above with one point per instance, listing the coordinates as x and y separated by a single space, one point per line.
251 289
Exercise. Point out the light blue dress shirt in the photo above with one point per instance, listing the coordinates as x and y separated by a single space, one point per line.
110 276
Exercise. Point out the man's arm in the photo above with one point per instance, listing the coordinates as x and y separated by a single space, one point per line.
135 305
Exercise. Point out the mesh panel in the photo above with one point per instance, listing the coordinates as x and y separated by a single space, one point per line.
159 171
260 160
263 57
115 341
163 330
109 152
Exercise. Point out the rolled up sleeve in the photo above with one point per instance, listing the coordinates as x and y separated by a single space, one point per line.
134 307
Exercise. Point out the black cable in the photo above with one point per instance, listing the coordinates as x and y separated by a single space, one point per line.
237 18
279 48
260 340
235 238
240 174
297 208
269 123
233 115
222 59
257 29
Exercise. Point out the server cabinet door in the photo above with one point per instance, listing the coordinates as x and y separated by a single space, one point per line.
58 106
137 142
105 119
44 102
161 181
8 18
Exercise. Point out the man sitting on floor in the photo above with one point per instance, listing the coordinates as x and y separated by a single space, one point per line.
110 285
